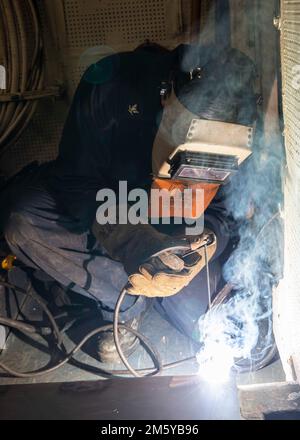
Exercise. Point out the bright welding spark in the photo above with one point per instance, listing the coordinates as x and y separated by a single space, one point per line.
224 338
216 356
215 363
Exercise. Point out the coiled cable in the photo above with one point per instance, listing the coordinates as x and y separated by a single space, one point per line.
20 32
116 326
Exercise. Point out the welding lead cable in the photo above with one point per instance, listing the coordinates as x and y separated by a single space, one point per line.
154 354
19 325
116 327
116 335
41 303
96 331
67 358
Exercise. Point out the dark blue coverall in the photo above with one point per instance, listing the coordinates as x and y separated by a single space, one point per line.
47 211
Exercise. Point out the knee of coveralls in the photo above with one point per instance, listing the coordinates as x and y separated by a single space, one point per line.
31 228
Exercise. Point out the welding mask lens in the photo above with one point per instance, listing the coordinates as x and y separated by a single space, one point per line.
203 167
202 174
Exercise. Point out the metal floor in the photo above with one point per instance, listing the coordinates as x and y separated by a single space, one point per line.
29 353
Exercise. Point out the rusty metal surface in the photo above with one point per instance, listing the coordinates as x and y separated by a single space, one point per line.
160 398
270 401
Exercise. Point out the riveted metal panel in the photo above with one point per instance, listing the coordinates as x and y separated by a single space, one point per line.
288 296
290 40
90 23
94 29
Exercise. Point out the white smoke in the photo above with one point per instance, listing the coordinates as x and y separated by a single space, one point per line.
242 327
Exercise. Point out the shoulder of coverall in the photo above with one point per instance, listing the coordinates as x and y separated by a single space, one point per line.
148 62
153 60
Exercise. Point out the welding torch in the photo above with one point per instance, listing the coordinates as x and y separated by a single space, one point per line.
193 247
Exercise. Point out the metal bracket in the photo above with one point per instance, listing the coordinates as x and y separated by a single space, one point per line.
32 95
277 22
271 401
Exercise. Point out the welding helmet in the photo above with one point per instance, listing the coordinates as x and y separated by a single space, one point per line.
207 126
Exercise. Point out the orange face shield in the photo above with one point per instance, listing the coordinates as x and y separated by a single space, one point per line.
197 209
193 153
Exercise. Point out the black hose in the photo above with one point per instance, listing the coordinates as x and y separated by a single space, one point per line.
154 354
69 356
116 335
41 303
19 325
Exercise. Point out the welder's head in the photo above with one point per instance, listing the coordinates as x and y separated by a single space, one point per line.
206 131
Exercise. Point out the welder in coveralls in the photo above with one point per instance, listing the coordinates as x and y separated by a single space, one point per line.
115 131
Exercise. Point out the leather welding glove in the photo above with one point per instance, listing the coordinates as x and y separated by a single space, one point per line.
169 272
160 276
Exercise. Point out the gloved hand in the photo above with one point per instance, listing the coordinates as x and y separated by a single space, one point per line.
159 276
169 272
